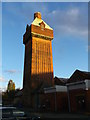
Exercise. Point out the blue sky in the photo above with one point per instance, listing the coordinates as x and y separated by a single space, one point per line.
69 46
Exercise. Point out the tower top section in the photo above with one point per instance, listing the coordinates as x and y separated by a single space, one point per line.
38 29
38 21
38 15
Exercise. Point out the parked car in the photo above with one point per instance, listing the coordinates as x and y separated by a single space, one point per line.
12 113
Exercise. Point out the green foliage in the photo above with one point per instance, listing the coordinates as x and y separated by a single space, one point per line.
8 96
11 86
4 96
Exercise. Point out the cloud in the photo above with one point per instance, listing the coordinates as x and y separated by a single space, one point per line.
0 65
2 82
73 21
12 71
88 47
3 89
22 12
73 12
2 79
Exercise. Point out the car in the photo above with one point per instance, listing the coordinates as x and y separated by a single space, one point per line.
12 113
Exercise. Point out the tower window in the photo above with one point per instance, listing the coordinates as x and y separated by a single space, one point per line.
42 25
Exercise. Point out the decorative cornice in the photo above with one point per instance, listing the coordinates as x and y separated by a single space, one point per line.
41 36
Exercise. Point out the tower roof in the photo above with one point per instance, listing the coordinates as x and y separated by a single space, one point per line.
38 20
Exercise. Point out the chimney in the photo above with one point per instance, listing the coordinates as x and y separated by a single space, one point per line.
38 15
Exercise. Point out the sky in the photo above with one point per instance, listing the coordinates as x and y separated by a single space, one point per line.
69 46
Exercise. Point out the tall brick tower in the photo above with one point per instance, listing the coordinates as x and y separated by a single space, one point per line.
38 65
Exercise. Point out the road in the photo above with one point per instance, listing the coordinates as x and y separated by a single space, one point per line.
61 116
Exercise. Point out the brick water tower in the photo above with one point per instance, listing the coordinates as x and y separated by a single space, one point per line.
38 64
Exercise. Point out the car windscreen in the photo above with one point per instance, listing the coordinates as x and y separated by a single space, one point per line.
18 113
6 113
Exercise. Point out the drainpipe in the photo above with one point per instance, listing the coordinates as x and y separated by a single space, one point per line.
69 107
55 102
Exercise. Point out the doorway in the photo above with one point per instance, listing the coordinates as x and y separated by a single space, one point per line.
81 106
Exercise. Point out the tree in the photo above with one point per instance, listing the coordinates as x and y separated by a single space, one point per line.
11 86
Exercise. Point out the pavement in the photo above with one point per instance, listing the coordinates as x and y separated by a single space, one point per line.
61 116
